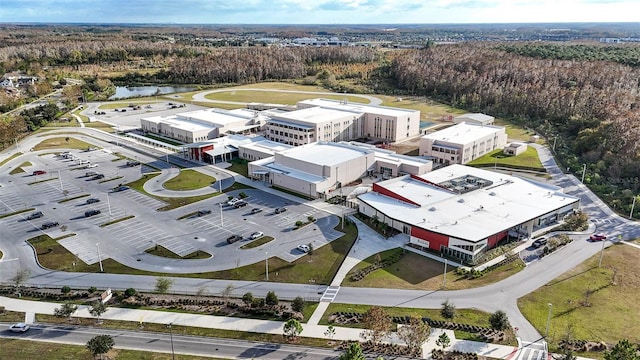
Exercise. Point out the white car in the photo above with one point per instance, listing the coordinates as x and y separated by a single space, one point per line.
92 166
304 248
232 201
19 327
256 235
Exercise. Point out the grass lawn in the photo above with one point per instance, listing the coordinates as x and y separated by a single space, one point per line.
276 97
255 243
78 112
61 143
16 212
189 180
515 132
100 126
321 266
18 169
239 166
115 221
430 110
614 311
528 158
10 158
161 251
172 203
57 123
402 274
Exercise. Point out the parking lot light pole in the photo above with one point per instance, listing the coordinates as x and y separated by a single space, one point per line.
221 218
546 333
266 263
584 171
633 205
109 204
173 354
444 281
60 178
99 257
601 252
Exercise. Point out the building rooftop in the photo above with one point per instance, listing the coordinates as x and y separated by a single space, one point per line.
474 215
267 145
357 107
388 155
317 114
463 133
216 117
180 123
325 153
476 116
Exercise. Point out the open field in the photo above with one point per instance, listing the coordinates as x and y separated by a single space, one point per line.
515 132
402 274
600 303
528 158
100 126
429 110
276 97
61 143
189 180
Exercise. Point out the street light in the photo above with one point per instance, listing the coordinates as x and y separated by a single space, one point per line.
266 263
584 171
548 320
221 219
601 252
99 257
173 355
109 204
633 205
444 282
60 178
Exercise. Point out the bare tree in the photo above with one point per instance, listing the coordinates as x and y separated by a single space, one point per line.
379 324
415 333
21 276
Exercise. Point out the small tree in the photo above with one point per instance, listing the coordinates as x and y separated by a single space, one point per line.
330 332
310 245
163 285
97 308
228 291
443 340
499 320
298 304
623 350
247 298
21 276
130 292
292 328
448 310
415 333
271 299
65 289
100 344
353 352
379 323
257 303
65 310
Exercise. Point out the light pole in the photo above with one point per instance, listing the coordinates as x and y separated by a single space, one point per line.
99 257
221 219
546 334
584 171
266 263
109 204
633 205
554 143
60 178
173 355
601 252
444 281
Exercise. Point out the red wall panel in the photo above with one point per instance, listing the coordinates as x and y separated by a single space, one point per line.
434 239
494 239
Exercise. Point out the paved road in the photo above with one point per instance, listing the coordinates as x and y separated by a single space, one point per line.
201 96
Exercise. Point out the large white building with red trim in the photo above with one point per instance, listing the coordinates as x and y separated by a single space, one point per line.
462 211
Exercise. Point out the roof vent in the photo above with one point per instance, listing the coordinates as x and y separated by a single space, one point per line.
461 200
432 208
492 193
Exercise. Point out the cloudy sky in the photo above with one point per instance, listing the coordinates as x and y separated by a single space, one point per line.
319 11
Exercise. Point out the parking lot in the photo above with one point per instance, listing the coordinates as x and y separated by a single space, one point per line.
62 192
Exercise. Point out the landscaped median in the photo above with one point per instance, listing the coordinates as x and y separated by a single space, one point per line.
172 202
529 160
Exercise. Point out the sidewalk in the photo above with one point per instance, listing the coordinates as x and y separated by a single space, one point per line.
249 325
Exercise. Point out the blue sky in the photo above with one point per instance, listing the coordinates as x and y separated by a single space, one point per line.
319 11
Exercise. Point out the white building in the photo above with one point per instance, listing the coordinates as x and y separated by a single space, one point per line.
463 211
475 118
202 125
462 143
515 148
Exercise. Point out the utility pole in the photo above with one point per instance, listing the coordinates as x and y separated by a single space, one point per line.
633 205
99 257
266 263
444 281
584 171
173 354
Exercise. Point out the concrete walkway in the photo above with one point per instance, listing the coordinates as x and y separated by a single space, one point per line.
249 325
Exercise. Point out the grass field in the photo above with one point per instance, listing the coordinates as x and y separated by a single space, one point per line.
62 143
258 242
18 169
515 132
172 203
161 251
240 166
612 311
403 274
189 180
100 126
429 110
528 158
276 97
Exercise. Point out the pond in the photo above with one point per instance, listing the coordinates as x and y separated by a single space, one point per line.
124 92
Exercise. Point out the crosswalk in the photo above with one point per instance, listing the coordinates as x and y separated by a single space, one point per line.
532 351
330 294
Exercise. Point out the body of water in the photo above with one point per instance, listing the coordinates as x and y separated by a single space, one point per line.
124 92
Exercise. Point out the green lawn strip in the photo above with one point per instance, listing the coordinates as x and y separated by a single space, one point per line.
16 212
82 117
161 251
99 125
110 179
10 158
187 215
321 266
61 143
118 157
41 181
255 243
189 180
276 97
18 169
238 186
610 313
117 220
515 132
164 140
239 166
73 198
402 274
172 203
529 159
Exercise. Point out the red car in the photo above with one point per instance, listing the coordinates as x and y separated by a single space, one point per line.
39 172
597 237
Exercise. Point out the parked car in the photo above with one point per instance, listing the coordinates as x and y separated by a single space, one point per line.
19 327
280 210
133 163
203 212
98 177
90 173
81 162
240 204
255 210
35 215
92 166
233 238
539 242
304 248
39 172
597 237
120 188
232 201
256 235
90 213
92 200
49 224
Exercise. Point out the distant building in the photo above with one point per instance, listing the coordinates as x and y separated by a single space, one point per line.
462 143
515 148
229 147
477 118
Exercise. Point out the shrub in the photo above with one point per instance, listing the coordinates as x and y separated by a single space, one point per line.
65 289
311 218
92 289
242 195
298 304
248 298
257 303
271 299
130 292
448 310
299 223
499 320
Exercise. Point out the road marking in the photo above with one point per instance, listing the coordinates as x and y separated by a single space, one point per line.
330 294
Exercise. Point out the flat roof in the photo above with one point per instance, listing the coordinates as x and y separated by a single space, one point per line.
474 215
317 114
215 116
463 133
180 123
475 116
325 153
358 107
267 145
389 155
288 171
